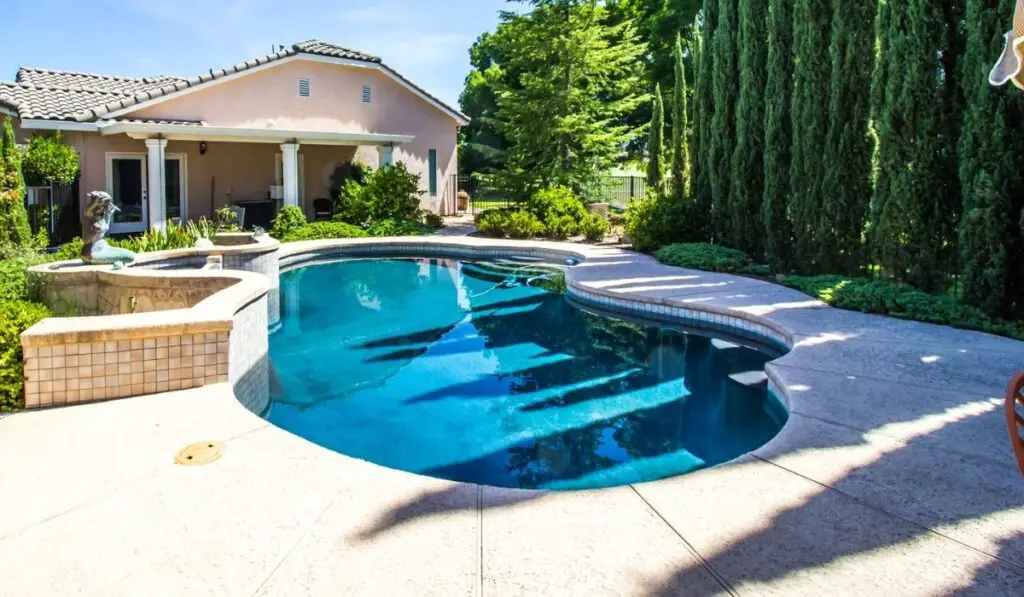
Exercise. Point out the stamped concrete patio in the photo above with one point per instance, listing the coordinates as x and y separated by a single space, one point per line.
893 476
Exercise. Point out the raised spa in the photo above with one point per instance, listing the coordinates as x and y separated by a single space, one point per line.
486 372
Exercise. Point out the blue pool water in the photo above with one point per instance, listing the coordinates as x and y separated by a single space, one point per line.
435 366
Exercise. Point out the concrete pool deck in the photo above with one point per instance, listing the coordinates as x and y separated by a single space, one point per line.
893 476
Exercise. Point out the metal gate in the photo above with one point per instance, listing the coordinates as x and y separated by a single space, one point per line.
55 208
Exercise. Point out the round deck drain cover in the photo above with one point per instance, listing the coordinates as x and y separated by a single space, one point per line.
199 453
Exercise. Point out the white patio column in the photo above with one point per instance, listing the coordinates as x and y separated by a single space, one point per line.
155 187
290 172
385 155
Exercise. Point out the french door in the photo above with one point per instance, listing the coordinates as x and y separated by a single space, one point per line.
126 183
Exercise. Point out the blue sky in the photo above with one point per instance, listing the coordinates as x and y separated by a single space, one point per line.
427 41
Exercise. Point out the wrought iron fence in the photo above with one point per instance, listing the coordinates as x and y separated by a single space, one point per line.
476 196
55 209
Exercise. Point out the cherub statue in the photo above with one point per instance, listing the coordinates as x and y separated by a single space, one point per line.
1011 64
98 215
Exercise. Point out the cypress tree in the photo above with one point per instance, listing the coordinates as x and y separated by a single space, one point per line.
654 143
992 187
778 133
846 190
811 25
704 109
911 209
14 228
723 122
746 230
680 146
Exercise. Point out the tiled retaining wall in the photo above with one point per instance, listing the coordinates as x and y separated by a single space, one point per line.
249 361
71 373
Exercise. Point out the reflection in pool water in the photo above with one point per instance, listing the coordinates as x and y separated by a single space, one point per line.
436 367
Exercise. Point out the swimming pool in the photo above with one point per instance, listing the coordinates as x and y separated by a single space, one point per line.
486 372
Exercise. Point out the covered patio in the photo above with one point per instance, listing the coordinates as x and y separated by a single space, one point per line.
161 171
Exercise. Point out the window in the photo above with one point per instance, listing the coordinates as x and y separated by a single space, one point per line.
303 87
366 94
432 167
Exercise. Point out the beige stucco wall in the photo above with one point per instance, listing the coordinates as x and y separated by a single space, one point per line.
269 99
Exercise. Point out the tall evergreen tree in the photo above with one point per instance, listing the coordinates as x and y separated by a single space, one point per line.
811 25
846 190
680 128
992 186
746 229
14 228
576 78
481 145
778 134
911 207
723 123
655 147
704 108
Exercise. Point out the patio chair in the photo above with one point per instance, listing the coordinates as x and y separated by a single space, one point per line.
1014 420
323 209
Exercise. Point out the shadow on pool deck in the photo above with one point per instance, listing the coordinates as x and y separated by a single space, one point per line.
889 500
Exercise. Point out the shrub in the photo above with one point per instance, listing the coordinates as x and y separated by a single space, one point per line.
552 207
560 227
645 224
15 317
14 281
343 173
898 299
69 250
172 236
523 224
289 218
659 220
594 227
710 258
389 192
398 227
493 222
49 159
433 220
321 230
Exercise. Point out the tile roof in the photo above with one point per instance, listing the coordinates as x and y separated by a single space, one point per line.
83 97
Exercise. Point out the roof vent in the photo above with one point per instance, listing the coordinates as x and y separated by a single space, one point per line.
366 94
303 87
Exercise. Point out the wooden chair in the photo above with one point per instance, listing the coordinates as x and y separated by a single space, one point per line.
1014 420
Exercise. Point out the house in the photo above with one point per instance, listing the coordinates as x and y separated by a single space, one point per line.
267 132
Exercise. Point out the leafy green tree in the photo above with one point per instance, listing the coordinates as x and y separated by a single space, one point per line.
846 190
722 139
576 79
655 148
680 129
481 144
14 228
912 212
992 186
812 21
778 133
704 107
745 230
49 159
